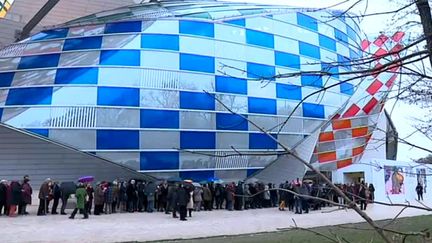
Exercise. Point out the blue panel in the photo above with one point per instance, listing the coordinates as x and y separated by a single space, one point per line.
288 91
260 71
77 76
312 80
197 140
261 105
252 171
50 34
6 79
196 28
259 38
197 101
30 96
123 27
344 61
94 42
197 63
39 61
327 42
307 21
159 41
1 113
226 121
42 132
159 119
239 22
354 54
352 34
287 60
309 50
313 110
347 88
262 141
120 58
159 160
203 175
231 85
118 96
117 139
339 35
332 69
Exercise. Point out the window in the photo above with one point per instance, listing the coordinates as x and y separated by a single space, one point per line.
287 60
197 63
118 96
76 76
313 110
288 91
260 71
197 140
159 161
226 121
160 41
159 119
197 101
120 58
330 68
117 117
93 42
231 85
339 35
311 80
123 27
30 96
309 50
307 21
196 28
50 34
347 88
262 106
6 79
117 139
259 38
327 42
262 141
39 61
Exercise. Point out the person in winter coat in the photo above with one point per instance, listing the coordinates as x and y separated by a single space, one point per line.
172 200
163 193
44 194
108 198
238 200
197 198
81 198
150 191
56 196
122 206
363 196
27 192
219 196
182 201
89 201
3 197
141 196
230 191
190 204
132 196
99 197
115 189
371 193
266 197
15 199
419 190
207 197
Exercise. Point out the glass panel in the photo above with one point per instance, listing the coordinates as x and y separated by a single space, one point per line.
86 30
196 101
83 43
113 118
120 58
260 55
117 139
327 42
238 104
165 140
313 110
231 85
199 82
312 80
311 125
159 98
259 38
68 96
50 34
159 41
261 141
119 76
196 161
7 64
76 76
307 21
159 160
231 67
80 139
285 107
118 96
121 42
6 79
287 60
265 122
287 91
347 88
260 71
197 175
309 50
159 119
239 22
196 28
340 36
30 96
293 125
197 63
160 60
230 33
197 120
260 105
27 117
289 140
131 160
230 50
230 175
43 47
72 59
39 61
264 89
229 140
123 27
197 140
325 147
197 45
226 121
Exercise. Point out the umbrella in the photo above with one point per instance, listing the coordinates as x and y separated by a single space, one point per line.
213 179
188 181
196 184
86 179
174 179
219 181
68 187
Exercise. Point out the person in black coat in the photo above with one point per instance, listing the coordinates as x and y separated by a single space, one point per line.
172 200
56 197
419 190
16 197
238 199
132 196
182 201
3 197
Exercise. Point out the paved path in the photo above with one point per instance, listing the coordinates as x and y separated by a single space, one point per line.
159 226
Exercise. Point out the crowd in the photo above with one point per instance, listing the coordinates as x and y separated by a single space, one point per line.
177 198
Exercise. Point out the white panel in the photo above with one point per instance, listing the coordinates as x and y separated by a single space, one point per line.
119 76
230 50
165 140
286 45
309 64
342 49
231 68
260 55
196 45
260 23
265 89
230 33
328 56
160 60
162 26
326 29
296 80
302 34
68 96
121 42
225 140
288 18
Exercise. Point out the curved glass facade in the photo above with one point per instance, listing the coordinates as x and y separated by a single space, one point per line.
141 85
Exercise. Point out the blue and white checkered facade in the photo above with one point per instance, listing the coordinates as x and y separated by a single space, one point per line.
142 91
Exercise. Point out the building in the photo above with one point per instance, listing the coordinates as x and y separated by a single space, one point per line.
153 87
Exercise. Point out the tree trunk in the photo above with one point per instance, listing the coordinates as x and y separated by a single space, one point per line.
426 21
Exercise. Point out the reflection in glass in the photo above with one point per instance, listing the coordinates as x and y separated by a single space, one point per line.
196 161
68 96
152 98
80 139
238 104
121 42
27 117
43 77
43 47
197 120
83 58
128 159
112 117
165 140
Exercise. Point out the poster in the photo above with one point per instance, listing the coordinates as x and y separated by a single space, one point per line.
394 177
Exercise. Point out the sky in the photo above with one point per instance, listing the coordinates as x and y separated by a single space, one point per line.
403 114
